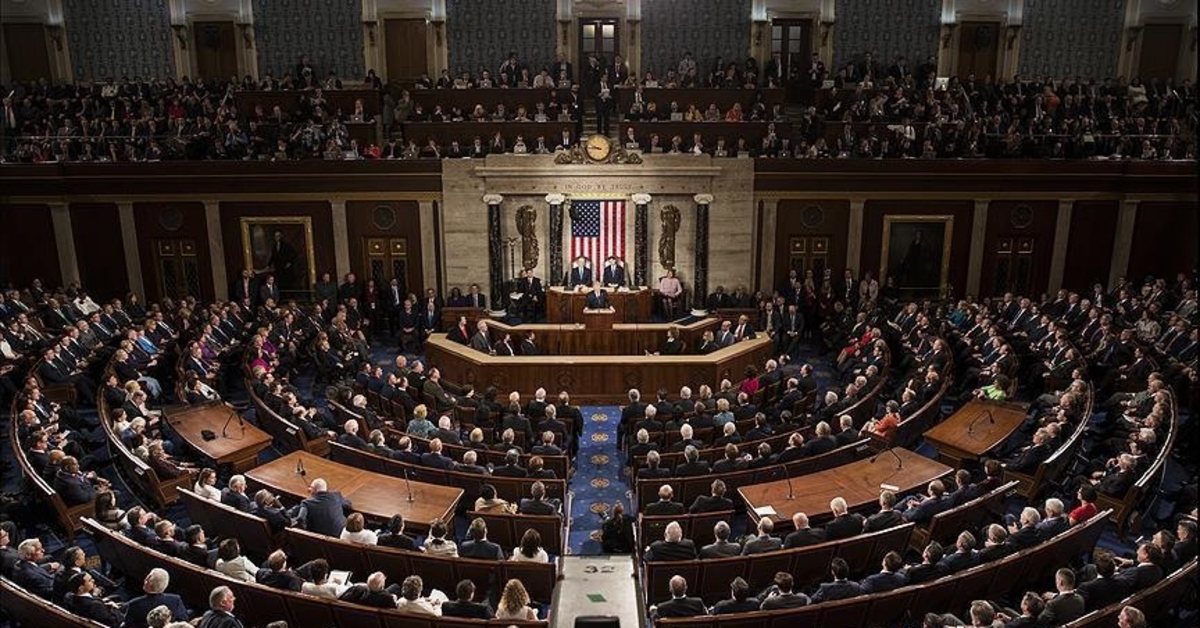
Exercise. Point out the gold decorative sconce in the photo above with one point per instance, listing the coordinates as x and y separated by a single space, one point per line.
180 34
370 24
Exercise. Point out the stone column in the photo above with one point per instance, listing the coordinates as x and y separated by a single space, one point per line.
495 249
133 258
766 250
426 219
854 236
64 238
216 248
1062 239
555 251
975 255
341 238
700 282
641 238
1123 241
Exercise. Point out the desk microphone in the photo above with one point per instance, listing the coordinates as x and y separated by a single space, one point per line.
300 468
408 485
232 413
890 449
975 421
788 475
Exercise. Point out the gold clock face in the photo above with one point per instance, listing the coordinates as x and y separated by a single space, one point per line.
598 147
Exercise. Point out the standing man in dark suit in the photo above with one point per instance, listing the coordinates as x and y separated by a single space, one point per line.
597 299
561 67
535 295
580 275
680 605
614 273
324 512
246 287
475 298
268 290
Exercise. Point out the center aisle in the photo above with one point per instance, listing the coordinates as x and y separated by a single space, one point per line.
598 481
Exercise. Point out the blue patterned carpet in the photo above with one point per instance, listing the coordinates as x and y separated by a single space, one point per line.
598 482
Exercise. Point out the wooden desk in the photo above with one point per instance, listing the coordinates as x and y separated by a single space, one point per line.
564 305
621 339
857 483
709 132
594 379
599 320
240 445
450 317
376 496
289 101
969 434
699 96
466 99
465 132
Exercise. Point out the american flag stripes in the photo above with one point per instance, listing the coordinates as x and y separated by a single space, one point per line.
597 231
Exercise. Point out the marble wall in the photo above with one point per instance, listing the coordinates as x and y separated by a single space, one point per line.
669 179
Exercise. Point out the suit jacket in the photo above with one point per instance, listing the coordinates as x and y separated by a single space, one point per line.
1029 459
74 488
667 551
837 590
883 581
325 513
467 609
483 550
801 538
1100 592
613 275
710 503
692 468
923 572
722 549
34 578
681 607
847 525
784 600
760 544
1025 537
597 300
219 619
725 607
923 512
959 561
360 594
1062 608
136 609
882 520
1139 576
287 580
664 508
579 276
537 507
93 608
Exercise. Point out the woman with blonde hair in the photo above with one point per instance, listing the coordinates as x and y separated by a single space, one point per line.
514 603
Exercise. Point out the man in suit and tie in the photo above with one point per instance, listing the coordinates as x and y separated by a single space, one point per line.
725 336
528 346
841 588
889 577
665 505
787 342
803 534
580 275
234 495
246 287
763 542
475 298
845 524
614 273
1066 605
680 605
154 587
268 290
504 346
744 330
534 296
597 299
886 517
722 547
716 502
324 512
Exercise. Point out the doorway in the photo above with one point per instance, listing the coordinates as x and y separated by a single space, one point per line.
1160 52
598 36
978 49
27 42
216 50
405 41
792 39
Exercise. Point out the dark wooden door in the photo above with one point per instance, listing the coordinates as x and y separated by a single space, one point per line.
599 36
1160 52
27 42
405 41
216 52
978 49
792 40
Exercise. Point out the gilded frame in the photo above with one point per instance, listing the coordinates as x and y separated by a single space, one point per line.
901 225
255 245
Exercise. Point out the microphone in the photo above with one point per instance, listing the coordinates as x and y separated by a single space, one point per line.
788 475
408 485
889 449
975 421
225 429
300 468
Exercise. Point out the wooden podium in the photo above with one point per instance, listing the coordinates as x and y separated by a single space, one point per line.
599 320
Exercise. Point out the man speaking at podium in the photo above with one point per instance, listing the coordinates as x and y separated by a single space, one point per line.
597 299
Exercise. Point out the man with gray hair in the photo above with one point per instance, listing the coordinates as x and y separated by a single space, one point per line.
154 587
372 593
764 542
234 495
665 504
220 610
158 617
29 572
692 465
652 469
673 546
1026 535
680 605
845 524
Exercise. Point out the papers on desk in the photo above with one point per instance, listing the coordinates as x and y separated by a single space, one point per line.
339 577
765 511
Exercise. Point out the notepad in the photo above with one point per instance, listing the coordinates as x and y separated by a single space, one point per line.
339 577
765 511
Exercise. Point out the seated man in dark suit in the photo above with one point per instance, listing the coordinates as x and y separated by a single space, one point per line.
74 486
394 536
782 594
1103 589
277 574
716 502
672 547
30 573
722 547
1066 605
680 605
81 600
154 587
803 534
537 504
234 495
349 436
922 510
512 467
435 458
1024 534
739 599
665 505
464 605
763 542
845 524
886 517
1135 575
372 593
324 512
477 545
692 465
840 588
964 555
890 576
929 568
1027 460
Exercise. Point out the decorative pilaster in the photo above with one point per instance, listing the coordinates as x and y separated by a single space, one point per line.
641 238
1122 241
216 247
341 237
64 238
429 271
495 249
133 258
1062 235
700 284
854 236
555 201
975 253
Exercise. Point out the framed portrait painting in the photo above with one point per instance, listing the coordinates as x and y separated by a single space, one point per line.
916 252
283 246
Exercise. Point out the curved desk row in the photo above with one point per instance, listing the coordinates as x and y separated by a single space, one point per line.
594 378
627 339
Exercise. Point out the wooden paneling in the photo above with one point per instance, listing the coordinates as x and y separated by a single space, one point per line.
790 220
29 249
406 50
1090 245
872 240
99 249
27 42
322 226
1159 57
978 49
365 219
216 51
1007 221
1164 240
172 221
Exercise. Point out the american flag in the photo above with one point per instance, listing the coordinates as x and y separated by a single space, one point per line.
597 231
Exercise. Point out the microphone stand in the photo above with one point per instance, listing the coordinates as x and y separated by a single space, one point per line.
300 471
890 449
975 421
229 419
408 485
788 475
